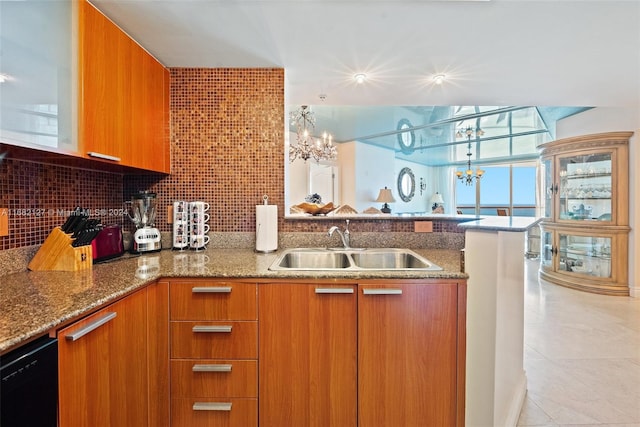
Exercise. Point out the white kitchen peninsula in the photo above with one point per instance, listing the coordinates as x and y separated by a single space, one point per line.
496 382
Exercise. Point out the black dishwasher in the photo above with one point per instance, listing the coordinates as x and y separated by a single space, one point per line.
29 387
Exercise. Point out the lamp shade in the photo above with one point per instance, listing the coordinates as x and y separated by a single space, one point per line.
385 196
437 198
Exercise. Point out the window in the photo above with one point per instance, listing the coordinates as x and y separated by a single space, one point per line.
511 186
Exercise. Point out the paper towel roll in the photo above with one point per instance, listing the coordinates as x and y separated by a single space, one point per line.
266 228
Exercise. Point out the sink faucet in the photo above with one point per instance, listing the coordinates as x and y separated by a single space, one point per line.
346 236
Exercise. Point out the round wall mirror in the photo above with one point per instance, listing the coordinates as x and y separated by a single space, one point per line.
406 184
406 136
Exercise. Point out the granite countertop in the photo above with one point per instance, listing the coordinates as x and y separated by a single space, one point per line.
36 302
501 223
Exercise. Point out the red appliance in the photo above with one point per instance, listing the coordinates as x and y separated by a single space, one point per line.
108 244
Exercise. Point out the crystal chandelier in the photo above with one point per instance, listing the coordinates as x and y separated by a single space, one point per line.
468 175
307 146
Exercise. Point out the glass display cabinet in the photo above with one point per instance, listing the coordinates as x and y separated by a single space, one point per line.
585 231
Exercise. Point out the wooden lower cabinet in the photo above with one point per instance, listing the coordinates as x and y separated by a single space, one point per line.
408 355
308 355
103 377
376 354
214 350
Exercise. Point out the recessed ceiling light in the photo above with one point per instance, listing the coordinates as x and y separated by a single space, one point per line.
360 78
439 79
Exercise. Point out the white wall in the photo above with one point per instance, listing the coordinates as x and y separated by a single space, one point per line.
364 170
420 202
614 119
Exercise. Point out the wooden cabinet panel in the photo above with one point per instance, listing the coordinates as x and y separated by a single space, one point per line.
158 345
101 82
214 340
103 376
123 100
214 378
214 301
307 355
407 355
189 412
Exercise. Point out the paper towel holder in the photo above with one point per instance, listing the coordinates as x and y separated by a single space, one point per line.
266 215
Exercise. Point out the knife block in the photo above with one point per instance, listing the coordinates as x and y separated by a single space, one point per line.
56 253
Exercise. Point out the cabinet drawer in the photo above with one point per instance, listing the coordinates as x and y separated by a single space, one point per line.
186 412
214 340
213 301
214 378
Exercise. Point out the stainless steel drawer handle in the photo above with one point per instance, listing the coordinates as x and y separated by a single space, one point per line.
211 368
203 328
103 156
382 291
211 289
212 406
334 290
107 317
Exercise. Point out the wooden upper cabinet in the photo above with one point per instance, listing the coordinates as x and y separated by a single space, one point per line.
123 102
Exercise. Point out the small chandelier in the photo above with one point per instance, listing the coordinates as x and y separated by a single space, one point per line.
468 175
306 145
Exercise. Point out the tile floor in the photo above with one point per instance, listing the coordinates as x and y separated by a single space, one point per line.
582 357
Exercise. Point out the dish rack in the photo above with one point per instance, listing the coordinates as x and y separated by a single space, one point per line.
57 254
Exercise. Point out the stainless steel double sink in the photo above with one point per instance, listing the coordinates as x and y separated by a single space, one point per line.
351 259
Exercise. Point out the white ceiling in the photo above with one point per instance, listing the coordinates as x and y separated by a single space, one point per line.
500 52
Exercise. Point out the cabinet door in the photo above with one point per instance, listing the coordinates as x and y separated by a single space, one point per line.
105 87
37 101
149 143
550 186
307 369
124 97
407 355
103 378
587 187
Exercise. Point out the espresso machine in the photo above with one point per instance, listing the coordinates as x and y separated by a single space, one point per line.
142 212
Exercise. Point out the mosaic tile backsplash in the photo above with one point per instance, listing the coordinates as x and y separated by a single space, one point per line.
227 148
40 196
227 145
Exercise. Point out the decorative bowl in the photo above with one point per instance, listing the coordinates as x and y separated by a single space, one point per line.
316 209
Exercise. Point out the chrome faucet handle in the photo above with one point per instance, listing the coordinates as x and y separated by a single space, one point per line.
347 236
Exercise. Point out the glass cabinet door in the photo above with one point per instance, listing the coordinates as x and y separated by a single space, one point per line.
38 97
546 256
585 187
547 173
589 255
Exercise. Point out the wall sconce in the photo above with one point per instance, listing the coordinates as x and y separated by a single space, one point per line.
423 185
